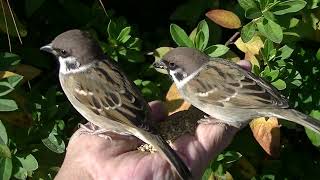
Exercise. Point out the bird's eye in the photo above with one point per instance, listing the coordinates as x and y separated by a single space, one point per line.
172 65
63 53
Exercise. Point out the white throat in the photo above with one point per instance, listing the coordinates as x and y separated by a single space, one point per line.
186 78
71 65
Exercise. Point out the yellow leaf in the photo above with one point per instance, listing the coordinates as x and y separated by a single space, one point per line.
224 18
252 58
6 74
251 48
174 102
267 133
158 54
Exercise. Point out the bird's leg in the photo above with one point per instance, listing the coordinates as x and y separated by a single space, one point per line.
92 129
214 121
210 120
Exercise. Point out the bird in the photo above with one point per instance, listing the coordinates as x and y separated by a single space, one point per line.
101 92
225 91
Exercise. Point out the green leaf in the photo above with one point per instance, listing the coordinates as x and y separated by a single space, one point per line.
251 9
199 41
32 6
274 74
3 133
229 157
267 50
134 44
268 177
14 80
60 125
54 143
271 75
203 26
19 172
193 34
248 31
279 84
318 54
7 84
263 4
216 50
28 162
8 60
124 35
8 105
147 92
218 169
5 88
247 4
138 82
112 30
286 52
253 13
5 168
288 6
180 36
270 30
313 136
207 174
5 151
269 15
312 4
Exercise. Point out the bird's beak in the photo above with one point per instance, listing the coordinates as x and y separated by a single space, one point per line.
48 48
159 64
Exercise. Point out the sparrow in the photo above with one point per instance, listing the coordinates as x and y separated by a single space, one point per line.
100 91
226 91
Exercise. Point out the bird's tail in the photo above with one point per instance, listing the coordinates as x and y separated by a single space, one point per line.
163 147
299 118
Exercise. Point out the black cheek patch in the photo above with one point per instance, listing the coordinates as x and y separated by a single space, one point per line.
179 76
71 65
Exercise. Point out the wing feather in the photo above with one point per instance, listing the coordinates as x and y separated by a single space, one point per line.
106 91
228 85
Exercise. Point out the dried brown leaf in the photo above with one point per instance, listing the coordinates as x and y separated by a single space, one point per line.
224 18
267 133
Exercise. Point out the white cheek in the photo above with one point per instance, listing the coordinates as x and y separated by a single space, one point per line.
63 63
173 75
185 79
71 60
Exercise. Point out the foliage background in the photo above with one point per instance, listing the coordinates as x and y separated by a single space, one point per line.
37 120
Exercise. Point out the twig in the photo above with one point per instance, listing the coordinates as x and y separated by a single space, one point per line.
104 9
231 40
5 21
14 22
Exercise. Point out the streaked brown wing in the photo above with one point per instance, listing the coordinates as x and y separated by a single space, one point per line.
106 91
227 84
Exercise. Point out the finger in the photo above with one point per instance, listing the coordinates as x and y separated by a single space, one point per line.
215 137
208 142
107 142
245 64
158 110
